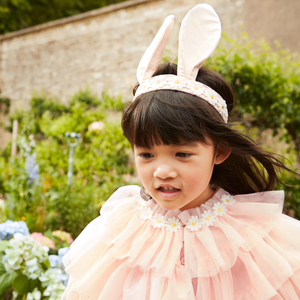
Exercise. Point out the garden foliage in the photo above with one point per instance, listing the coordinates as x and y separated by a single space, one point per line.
267 86
35 182
19 14
27 268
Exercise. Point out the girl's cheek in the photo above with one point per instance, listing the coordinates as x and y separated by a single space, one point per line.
144 171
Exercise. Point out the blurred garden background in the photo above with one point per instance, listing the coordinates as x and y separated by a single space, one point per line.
41 210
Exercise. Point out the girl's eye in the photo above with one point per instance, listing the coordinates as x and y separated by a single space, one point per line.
183 154
146 155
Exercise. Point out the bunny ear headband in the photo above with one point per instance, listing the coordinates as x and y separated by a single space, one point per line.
199 35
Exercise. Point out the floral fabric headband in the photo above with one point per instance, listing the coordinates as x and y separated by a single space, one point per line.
199 35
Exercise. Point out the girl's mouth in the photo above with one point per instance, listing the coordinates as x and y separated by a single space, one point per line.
168 192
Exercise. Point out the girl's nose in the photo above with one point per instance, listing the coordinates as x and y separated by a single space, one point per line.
164 172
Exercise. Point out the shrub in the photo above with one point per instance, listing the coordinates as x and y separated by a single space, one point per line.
267 86
26 268
35 182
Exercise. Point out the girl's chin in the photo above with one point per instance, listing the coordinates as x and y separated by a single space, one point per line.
168 204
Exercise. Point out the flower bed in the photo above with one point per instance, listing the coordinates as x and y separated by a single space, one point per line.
27 267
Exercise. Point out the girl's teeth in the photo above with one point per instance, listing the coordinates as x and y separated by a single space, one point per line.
169 190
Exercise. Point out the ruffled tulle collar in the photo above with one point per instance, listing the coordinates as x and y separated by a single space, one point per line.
193 219
148 252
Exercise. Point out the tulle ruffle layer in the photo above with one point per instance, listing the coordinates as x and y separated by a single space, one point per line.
250 252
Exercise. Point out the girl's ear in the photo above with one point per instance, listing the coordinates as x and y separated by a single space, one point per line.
221 155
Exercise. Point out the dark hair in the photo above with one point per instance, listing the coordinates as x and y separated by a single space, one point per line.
171 117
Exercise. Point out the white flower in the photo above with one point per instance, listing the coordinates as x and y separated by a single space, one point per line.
46 248
25 255
146 213
158 221
54 291
12 260
140 203
19 236
14 295
194 223
35 295
32 263
173 224
228 199
33 269
48 277
219 209
51 281
208 218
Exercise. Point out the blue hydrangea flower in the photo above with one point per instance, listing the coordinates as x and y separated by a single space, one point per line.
32 168
56 264
9 228
62 252
55 261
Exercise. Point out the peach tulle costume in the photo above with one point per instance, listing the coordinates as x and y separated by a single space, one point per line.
229 248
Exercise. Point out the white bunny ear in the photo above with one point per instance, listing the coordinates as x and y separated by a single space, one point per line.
154 53
199 35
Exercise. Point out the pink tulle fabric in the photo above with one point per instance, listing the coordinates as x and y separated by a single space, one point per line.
252 252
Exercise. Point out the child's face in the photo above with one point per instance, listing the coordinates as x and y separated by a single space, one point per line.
178 177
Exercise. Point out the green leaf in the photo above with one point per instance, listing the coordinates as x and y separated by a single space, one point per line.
21 284
2 269
6 281
46 264
33 284
24 285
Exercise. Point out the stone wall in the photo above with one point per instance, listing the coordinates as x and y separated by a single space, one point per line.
101 48
274 20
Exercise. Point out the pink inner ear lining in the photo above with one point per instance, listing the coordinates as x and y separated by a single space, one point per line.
153 55
199 35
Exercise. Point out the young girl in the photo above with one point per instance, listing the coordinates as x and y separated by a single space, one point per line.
206 224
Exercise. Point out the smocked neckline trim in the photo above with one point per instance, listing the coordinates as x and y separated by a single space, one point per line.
211 211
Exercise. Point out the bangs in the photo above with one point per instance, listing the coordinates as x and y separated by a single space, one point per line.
166 117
